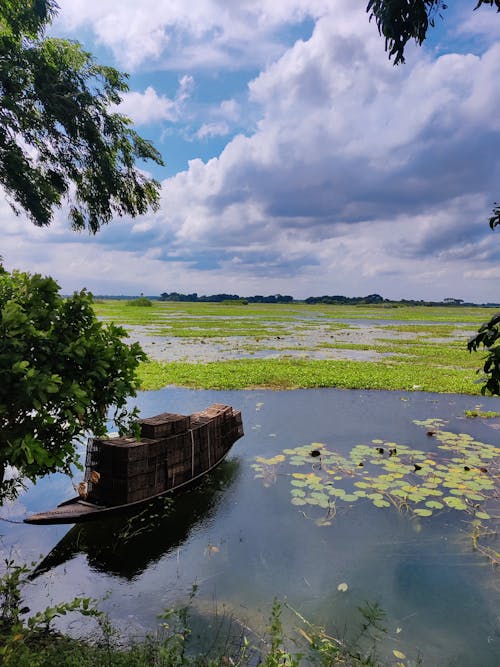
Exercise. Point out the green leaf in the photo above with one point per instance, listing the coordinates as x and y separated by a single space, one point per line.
381 503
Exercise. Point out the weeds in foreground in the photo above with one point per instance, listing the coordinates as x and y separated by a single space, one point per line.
33 640
24 638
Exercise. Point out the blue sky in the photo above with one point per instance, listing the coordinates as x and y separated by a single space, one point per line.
298 159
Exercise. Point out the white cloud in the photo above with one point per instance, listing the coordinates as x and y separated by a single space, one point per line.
190 34
149 107
212 130
356 176
230 109
354 165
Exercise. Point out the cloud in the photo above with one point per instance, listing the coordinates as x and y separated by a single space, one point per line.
230 109
352 177
149 107
190 34
481 23
213 130
353 162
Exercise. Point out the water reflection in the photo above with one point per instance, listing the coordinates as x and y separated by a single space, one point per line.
127 545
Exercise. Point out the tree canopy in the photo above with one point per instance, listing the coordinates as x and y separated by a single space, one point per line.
400 21
489 337
61 370
61 138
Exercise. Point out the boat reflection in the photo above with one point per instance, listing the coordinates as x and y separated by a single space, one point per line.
127 545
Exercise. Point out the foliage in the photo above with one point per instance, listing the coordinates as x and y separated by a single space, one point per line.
277 655
495 218
175 634
483 414
141 302
59 135
292 373
488 336
17 630
60 371
224 298
400 21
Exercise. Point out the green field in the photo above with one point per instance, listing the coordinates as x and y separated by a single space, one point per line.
235 346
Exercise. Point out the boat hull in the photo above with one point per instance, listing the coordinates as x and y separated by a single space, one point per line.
168 463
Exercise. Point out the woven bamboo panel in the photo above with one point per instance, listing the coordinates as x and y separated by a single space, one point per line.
131 470
161 426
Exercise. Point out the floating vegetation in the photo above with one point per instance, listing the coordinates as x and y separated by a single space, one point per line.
460 474
225 345
483 414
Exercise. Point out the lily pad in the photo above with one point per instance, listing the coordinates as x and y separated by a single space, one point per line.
460 473
435 504
381 503
422 512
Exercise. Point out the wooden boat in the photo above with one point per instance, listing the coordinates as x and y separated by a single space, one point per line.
127 544
173 452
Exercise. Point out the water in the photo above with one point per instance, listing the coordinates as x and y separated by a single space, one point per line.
244 543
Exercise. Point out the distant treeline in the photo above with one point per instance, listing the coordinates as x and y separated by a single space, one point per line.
335 299
274 298
280 298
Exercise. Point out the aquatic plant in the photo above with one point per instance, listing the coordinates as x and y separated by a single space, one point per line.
483 414
291 373
140 302
427 353
459 474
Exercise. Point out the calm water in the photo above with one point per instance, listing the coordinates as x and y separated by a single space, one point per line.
244 543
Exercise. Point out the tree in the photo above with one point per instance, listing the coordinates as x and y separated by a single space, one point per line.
61 370
60 137
489 336
495 218
399 21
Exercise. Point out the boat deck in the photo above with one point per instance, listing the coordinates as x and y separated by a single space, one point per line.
64 513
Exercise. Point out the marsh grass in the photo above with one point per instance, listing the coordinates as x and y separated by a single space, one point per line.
291 373
481 414
424 348
303 312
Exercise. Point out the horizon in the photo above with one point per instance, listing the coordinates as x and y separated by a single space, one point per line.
206 298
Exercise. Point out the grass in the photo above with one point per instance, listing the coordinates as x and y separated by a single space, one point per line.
414 358
290 373
296 312
483 414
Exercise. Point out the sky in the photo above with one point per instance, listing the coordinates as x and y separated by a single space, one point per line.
299 160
